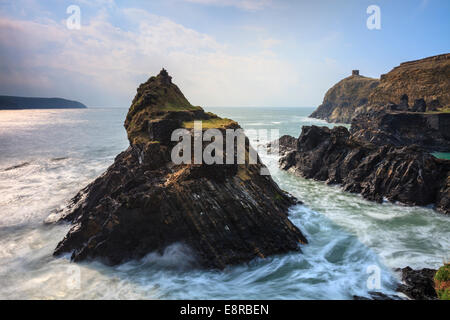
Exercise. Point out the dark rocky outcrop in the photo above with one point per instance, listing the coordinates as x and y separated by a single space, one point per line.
342 100
226 214
418 284
404 174
374 295
16 103
431 131
286 144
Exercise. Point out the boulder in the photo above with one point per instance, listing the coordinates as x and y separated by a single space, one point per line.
404 103
419 105
434 105
286 144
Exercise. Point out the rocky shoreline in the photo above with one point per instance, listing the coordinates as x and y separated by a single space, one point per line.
418 284
415 285
143 203
399 174
386 153
395 125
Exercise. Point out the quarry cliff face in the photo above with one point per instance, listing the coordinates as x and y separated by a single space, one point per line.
224 213
342 100
427 79
424 83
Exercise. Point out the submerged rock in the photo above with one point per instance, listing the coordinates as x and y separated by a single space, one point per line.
407 174
143 203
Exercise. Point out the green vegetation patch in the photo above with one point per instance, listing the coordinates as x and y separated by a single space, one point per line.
442 282
211 123
443 274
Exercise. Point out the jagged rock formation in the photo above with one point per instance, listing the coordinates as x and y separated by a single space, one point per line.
427 79
144 202
341 101
431 131
285 144
408 174
418 284
17 103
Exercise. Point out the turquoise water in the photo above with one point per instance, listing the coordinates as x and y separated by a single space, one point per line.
48 155
442 155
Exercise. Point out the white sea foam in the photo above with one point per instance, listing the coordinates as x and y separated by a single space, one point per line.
346 233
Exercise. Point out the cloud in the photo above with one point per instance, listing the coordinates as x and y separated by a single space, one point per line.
249 5
102 64
269 43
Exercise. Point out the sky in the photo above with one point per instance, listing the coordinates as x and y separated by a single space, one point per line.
219 52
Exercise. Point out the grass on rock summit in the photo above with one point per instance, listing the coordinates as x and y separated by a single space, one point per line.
160 99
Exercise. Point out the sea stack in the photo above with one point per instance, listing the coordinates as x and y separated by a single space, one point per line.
144 202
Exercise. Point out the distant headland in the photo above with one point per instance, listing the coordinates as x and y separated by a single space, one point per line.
18 103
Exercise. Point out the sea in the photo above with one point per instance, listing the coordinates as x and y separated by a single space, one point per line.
46 156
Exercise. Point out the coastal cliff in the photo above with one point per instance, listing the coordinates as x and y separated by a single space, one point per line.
144 202
342 100
399 174
18 103
425 83
427 79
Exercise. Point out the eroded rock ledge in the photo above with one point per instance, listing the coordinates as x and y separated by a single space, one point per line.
407 174
226 214
387 125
